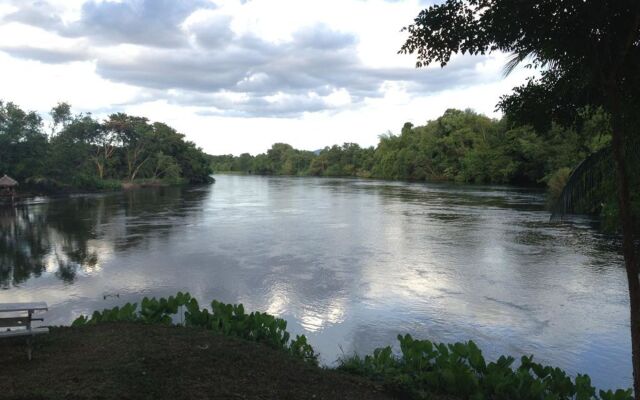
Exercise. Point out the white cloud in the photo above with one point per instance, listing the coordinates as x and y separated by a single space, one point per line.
237 75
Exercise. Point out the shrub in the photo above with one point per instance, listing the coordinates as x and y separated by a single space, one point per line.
224 319
460 369
93 183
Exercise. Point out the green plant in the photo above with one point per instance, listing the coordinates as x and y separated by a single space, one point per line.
224 319
459 369
299 348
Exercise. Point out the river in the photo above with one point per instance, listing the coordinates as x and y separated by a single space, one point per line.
350 263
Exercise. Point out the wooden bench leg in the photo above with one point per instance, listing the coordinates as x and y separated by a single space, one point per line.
29 350
29 337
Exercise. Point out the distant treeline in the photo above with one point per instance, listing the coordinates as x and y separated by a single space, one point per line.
81 152
459 146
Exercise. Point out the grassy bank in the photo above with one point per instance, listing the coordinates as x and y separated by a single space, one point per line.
151 361
138 351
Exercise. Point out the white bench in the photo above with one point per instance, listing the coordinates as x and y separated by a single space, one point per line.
20 325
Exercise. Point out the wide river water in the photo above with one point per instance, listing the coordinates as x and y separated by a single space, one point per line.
349 263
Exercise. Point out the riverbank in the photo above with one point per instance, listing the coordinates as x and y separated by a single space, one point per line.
138 361
54 188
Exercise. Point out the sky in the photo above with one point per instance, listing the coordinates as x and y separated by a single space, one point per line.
237 76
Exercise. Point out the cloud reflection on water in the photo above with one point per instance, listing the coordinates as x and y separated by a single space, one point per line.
350 263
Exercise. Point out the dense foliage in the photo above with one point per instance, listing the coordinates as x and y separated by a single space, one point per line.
225 319
459 146
460 369
82 152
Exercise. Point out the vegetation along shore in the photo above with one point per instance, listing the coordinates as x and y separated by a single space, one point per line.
172 348
464 146
77 152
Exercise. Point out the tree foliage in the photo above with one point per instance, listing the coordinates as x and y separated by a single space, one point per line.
85 153
459 146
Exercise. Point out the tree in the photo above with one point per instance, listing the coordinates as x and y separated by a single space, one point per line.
134 134
243 163
73 149
61 116
588 53
81 152
84 129
23 145
105 143
165 167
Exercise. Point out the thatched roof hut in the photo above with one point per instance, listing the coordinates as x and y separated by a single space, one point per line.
8 182
8 187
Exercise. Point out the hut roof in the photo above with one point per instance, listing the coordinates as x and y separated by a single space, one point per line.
7 181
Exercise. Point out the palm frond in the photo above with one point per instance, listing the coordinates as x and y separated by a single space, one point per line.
512 62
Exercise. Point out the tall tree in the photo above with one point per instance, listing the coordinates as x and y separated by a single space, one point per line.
71 149
105 145
60 116
589 54
23 145
134 134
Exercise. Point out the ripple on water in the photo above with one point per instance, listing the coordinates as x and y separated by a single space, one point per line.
351 263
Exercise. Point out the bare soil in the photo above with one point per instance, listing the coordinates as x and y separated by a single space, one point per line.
137 361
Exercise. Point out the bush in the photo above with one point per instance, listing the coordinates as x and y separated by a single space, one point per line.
225 319
460 369
93 183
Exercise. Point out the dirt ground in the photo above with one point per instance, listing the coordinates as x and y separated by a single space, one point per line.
136 361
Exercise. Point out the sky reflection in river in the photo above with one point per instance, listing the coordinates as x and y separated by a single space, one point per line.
350 263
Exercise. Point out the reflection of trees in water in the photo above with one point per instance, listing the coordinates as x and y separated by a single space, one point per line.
22 245
62 236
71 227
46 237
149 211
155 213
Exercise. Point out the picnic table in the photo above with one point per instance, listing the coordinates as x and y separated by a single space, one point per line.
19 322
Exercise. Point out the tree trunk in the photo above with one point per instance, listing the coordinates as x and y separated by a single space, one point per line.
619 125
135 171
99 166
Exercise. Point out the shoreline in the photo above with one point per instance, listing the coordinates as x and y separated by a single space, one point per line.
124 186
540 188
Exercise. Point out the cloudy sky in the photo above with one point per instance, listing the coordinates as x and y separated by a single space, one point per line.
238 75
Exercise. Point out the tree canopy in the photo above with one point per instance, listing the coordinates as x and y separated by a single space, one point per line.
84 153
461 146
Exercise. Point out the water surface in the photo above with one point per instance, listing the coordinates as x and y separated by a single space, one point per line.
350 263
